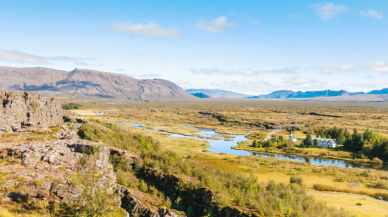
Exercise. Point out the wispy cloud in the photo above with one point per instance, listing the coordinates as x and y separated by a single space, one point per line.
259 86
20 57
379 66
327 11
142 76
343 68
151 29
288 70
372 13
216 25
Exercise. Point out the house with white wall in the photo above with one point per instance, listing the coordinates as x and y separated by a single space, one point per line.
327 143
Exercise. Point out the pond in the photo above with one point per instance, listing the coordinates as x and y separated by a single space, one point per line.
225 141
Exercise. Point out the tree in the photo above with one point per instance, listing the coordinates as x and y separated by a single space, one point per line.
307 141
316 142
341 139
254 144
289 144
358 142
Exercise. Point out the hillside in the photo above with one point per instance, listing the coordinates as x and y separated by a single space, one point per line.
201 95
217 93
281 94
84 83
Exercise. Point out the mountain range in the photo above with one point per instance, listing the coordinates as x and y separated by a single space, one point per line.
217 93
288 94
84 83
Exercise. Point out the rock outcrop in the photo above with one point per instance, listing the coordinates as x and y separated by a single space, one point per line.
136 208
40 171
18 111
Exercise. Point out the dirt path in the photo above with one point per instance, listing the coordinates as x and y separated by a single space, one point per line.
272 132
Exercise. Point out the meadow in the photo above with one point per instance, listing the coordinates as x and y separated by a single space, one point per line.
259 117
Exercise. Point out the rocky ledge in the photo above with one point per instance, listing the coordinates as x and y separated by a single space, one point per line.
40 171
20 111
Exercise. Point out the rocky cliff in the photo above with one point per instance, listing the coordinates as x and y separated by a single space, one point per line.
40 171
84 83
18 111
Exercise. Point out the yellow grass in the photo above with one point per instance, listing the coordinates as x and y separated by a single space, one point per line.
369 208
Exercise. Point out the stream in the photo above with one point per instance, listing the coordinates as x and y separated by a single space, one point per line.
224 146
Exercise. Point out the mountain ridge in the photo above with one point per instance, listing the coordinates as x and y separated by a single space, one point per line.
217 93
287 94
85 83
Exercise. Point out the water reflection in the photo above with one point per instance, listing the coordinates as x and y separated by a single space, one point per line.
224 146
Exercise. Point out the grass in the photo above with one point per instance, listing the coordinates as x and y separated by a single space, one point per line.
369 208
245 113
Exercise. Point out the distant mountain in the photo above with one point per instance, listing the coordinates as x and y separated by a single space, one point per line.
218 93
201 95
383 91
286 94
84 83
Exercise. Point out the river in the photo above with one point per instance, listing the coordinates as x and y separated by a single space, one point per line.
224 146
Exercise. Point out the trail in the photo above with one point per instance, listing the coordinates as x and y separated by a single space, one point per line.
272 132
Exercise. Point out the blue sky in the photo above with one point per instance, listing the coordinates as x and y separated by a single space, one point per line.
251 47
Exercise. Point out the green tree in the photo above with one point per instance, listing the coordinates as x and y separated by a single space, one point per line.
316 142
307 142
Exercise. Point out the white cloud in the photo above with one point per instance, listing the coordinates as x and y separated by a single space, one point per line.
329 10
150 29
258 86
20 57
379 66
218 25
372 13
288 70
143 76
344 68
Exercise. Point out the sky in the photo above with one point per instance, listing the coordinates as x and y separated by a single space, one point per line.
251 47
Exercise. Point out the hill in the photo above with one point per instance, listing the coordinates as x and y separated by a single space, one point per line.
84 83
201 95
281 94
218 93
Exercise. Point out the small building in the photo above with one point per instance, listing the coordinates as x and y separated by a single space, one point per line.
292 138
327 143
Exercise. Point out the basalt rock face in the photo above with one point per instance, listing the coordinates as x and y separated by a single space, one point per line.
18 111
136 208
40 171
201 200
198 199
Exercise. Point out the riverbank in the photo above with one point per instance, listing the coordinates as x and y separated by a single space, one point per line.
306 154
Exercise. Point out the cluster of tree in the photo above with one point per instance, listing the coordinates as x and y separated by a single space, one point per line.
71 106
368 143
275 142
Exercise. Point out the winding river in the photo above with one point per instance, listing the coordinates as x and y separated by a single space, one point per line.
223 145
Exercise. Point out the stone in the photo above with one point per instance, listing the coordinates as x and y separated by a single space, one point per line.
21 111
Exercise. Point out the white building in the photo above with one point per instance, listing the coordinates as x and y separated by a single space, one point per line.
292 138
327 143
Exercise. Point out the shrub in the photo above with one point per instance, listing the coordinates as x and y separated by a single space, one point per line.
296 180
71 106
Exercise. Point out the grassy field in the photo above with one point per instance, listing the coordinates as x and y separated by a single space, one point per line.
369 208
241 117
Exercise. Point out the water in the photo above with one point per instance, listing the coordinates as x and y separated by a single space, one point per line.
223 146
